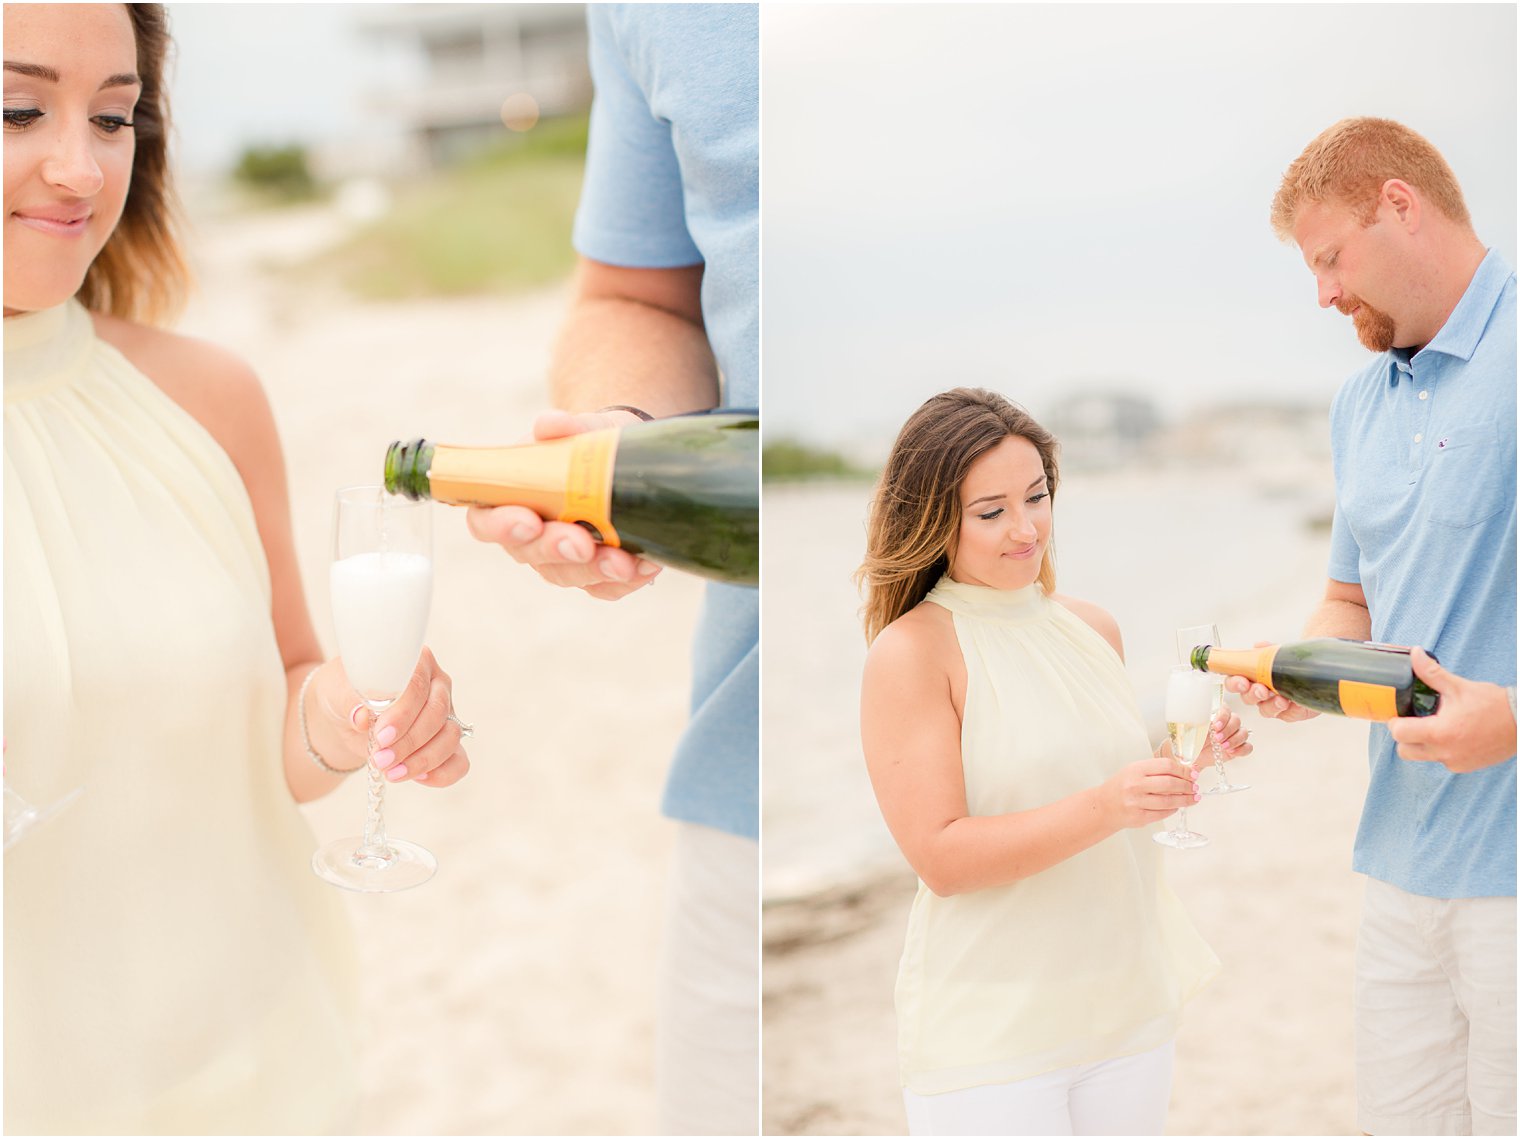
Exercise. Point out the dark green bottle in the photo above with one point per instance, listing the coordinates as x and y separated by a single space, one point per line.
1330 674
682 491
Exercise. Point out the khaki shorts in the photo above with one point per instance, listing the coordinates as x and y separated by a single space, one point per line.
707 1024
1435 1014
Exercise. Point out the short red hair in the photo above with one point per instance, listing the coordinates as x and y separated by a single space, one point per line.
1349 163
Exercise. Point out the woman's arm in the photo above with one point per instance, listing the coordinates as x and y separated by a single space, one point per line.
225 396
910 730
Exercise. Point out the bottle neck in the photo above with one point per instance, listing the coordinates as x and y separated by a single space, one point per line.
1254 664
565 480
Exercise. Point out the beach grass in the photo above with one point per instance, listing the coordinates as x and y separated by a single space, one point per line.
498 222
787 460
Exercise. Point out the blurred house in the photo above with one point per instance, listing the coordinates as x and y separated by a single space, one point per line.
484 70
1271 432
1099 430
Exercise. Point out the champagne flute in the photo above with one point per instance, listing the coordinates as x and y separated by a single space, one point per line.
1189 696
381 581
1190 637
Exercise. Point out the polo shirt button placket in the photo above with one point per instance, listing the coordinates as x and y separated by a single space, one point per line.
1419 420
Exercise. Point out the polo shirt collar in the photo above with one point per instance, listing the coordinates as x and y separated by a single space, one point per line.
1463 329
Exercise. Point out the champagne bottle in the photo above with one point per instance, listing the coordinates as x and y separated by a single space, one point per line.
1329 674
682 491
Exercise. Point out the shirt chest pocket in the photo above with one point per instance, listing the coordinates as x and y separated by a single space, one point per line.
1464 480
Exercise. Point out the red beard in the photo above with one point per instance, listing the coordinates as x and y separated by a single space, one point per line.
1373 327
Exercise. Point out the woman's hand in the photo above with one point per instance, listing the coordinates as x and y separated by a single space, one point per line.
418 736
1149 790
1230 735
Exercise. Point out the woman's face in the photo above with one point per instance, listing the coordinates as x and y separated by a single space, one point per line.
1005 518
71 89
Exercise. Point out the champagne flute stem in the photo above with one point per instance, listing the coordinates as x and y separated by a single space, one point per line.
1219 763
374 845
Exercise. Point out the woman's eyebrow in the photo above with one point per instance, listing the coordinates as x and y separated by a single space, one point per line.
35 70
40 71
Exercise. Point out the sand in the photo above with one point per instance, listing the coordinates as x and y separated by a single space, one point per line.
511 994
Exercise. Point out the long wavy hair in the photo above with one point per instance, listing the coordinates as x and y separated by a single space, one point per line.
915 513
141 273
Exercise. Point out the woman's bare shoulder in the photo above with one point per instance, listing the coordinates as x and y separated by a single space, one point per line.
922 638
1100 620
215 386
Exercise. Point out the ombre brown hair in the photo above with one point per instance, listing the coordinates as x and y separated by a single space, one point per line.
1348 164
141 273
915 514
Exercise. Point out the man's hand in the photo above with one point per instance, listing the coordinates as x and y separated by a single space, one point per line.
1472 729
1268 703
564 553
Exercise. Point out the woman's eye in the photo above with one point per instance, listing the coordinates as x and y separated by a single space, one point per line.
110 124
18 117
990 515
1044 494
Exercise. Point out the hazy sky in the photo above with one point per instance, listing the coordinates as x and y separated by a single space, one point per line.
272 74
1046 197
1039 197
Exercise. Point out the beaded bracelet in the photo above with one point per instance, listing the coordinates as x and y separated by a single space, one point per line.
311 752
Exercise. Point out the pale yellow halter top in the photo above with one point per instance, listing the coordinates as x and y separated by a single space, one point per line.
1089 960
172 966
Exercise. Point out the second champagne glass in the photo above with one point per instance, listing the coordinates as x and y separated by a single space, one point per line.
382 582
1190 637
1189 698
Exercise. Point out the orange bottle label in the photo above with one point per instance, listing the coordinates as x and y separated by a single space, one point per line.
588 484
1368 701
1263 673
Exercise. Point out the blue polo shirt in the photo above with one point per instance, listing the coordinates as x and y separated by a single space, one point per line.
673 179
1424 452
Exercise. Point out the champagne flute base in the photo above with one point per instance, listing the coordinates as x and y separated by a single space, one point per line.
1227 788
343 863
1181 840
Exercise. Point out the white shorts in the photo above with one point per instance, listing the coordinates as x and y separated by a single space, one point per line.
1126 1096
707 1024
1435 1014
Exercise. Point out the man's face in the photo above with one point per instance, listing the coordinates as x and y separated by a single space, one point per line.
1355 268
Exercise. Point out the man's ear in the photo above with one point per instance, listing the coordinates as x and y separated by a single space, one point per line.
1404 203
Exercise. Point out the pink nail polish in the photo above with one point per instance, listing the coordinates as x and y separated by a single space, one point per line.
397 772
386 735
383 759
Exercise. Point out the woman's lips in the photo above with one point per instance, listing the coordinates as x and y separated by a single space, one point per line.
54 224
1023 554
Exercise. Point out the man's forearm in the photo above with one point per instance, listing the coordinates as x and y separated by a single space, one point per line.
617 351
